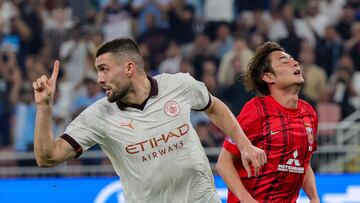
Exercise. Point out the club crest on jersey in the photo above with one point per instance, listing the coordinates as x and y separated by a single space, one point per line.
172 108
310 135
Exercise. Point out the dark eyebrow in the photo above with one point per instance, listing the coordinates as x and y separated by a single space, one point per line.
100 66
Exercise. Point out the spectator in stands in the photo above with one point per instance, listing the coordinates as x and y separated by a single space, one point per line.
320 14
74 53
352 45
156 8
57 26
343 26
250 5
213 18
171 63
328 50
181 22
226 71
115 20
355 100
223 41
198 52
279 29
186 67
255 40
340 87
292 42
259 21
24 121
156 39
208 76
314 76
31 13
25 112
10 82
233 93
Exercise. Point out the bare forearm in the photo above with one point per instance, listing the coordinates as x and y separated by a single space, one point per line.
44 141
228 173
309 184
221 117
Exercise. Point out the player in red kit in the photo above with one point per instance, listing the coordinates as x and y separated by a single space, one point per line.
281 124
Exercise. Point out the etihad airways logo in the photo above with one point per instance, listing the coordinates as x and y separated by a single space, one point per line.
160 143
292 165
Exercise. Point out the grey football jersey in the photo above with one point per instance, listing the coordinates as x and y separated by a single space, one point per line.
155 150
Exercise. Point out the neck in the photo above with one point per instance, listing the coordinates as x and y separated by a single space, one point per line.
288 98
139 91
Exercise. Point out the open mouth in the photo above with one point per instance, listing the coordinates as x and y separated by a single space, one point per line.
297 72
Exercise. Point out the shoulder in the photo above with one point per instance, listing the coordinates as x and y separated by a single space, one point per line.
174 80
306 106
175 76
256 101
250 108
99 107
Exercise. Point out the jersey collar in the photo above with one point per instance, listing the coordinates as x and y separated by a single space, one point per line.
153 92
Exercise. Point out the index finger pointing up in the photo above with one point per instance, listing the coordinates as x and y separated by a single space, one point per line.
55 72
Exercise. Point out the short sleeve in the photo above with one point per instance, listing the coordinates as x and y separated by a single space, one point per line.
249 120
198 93
82 131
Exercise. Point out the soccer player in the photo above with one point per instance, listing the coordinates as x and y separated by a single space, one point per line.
144 128
281 124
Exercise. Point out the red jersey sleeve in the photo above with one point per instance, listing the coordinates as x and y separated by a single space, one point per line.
249 121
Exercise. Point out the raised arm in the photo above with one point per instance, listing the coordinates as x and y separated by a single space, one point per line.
222 117
48 151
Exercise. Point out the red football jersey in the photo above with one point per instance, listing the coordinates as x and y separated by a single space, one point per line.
288 138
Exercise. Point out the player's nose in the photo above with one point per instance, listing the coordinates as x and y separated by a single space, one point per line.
294 63
100 78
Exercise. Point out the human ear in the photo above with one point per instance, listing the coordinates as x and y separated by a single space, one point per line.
268 77
130 67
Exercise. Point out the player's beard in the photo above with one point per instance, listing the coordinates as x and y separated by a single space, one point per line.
118 94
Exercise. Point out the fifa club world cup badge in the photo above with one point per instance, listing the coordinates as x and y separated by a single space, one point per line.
172 108
310 135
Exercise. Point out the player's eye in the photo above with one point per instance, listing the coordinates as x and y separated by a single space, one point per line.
284 60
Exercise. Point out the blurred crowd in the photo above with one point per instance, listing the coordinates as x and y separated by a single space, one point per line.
212 40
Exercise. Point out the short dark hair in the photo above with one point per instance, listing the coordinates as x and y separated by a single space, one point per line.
122 47
260 64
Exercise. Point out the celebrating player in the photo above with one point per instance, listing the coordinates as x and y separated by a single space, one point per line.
144 128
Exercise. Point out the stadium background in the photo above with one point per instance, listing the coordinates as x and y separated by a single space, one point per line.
210 39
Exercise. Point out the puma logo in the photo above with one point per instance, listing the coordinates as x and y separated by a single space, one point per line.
125 124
